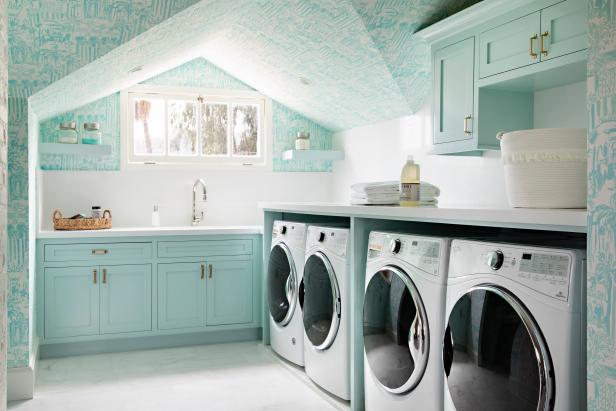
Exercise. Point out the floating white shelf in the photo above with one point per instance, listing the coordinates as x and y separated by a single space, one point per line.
331 155
79 149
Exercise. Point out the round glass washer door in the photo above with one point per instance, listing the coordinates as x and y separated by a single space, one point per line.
281 284
396 333
321 305
494 354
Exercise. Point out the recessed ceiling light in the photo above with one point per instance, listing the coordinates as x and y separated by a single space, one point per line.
304 81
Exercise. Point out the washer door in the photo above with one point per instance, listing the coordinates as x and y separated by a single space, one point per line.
321 301
396 333
495 356
281 284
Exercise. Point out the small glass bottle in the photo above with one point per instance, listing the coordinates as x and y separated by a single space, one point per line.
409 184
68 133
97 212
302 141
91 134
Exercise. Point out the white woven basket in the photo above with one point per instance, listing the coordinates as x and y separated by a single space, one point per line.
545 168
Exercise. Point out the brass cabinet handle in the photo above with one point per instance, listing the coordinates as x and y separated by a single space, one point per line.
104 276
209 272
100 252
544 35
466 118
94 276
202 271
530 48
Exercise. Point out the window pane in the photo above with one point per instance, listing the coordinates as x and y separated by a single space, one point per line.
245 129
214 125
182 127
149 127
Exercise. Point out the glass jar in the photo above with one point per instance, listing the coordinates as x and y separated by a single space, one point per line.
302 141
68 133
97 212
91 134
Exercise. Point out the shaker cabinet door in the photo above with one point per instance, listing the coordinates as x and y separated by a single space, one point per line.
181 295
564 28
71 301
453 92
126 298
510 46
229 292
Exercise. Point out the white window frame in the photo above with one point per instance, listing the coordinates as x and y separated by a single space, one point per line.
263 160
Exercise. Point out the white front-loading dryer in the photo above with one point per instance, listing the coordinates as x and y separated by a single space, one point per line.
325 289
403 321
284 273
515 336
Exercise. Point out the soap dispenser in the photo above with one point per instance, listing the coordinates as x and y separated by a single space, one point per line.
155 216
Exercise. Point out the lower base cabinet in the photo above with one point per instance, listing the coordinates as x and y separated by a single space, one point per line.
82 301
229 292
181 295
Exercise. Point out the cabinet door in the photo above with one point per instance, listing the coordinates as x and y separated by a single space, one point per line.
229 292
181 295
563 28
71 301
453 88
512 45
126 298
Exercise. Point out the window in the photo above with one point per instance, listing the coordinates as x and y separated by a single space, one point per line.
194 127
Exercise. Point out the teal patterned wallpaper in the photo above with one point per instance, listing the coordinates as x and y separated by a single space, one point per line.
602 206
49 39
196 73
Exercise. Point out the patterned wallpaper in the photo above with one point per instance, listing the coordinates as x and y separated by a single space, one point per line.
3 198
49 39
196 73
602 206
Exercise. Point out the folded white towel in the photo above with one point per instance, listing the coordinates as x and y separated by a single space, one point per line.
423 196
358 201
390 187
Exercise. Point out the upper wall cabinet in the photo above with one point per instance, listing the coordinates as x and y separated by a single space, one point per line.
490 59
453 92
552 32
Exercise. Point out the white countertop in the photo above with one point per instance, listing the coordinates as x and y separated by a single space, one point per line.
152 231
573 220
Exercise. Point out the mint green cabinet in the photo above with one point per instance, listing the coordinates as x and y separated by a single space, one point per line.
181 295
71 301
229 292
510 46
453 92
125 298
563 28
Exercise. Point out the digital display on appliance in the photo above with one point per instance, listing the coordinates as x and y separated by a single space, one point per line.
527 256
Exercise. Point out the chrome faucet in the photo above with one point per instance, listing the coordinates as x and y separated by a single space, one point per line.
196 220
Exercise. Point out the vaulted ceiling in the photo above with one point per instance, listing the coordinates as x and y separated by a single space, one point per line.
342 63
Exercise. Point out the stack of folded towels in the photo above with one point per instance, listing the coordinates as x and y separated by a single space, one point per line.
388 193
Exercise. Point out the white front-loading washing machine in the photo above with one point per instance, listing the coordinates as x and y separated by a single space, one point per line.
284 273
325 297
403 322
515 336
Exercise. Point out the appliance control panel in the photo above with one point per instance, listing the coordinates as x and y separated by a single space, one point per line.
292 232
545 270
335 240
421 252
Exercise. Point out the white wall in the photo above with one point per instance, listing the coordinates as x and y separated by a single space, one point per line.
232 196
378 152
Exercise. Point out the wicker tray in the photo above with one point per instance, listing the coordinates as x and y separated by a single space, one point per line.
68 224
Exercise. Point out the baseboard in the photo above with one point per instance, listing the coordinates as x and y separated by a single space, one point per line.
147 343
20 380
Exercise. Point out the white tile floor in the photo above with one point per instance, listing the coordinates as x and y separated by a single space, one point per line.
223 377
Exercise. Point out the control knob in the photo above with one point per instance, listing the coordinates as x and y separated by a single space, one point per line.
395 246
495 259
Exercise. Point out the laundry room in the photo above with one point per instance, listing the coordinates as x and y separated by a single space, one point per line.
311 205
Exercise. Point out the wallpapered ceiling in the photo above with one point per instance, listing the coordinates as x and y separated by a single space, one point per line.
602 206
49 39
196 73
